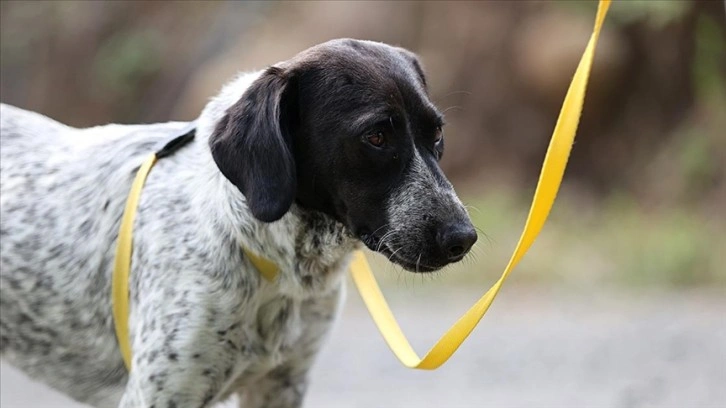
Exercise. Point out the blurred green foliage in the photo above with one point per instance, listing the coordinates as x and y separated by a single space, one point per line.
655 13
126 59
708 69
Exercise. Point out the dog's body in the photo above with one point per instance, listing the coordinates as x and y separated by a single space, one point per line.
56 277
204 324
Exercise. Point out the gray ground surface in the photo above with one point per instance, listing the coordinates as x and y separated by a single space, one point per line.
537 347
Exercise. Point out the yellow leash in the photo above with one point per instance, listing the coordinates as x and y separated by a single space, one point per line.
549 182
122 262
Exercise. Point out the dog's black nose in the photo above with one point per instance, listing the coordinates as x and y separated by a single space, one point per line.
456 239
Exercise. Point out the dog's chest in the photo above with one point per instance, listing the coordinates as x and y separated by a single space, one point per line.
278 327
273 327
269 337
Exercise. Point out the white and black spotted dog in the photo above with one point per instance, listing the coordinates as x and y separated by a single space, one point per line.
299 163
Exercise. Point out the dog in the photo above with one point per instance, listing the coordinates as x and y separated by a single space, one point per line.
301 163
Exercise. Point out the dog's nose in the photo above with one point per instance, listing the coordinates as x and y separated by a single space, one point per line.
456 239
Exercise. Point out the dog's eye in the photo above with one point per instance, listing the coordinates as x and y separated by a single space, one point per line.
377 139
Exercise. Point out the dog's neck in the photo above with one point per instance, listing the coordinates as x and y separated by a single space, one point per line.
311 249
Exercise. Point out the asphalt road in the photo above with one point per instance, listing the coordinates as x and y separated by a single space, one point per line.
538 347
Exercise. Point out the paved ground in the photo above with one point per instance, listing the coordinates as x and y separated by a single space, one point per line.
536 348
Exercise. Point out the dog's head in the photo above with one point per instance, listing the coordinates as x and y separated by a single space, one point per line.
347 128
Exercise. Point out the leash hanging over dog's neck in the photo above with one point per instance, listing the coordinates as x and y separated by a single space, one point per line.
545 194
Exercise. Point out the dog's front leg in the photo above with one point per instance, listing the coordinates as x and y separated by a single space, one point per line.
286 384
171 375
186 345
284 387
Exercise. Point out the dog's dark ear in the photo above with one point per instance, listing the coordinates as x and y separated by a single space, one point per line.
252 145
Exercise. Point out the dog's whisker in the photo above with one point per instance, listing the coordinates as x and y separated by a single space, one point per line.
385 236
454 93
485 235
476 251
393 254
381 227
473 207
452 107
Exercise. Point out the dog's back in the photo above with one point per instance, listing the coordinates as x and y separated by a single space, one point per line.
57 223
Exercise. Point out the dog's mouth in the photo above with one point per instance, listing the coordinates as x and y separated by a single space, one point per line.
373 242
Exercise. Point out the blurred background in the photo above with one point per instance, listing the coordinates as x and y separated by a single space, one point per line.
621 301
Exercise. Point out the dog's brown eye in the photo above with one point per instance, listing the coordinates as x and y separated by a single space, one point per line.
376 139
439 135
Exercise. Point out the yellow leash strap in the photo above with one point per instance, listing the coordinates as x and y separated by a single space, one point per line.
122 263
124 246
549 182
266 268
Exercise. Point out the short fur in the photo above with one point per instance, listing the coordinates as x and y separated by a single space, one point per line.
282 164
